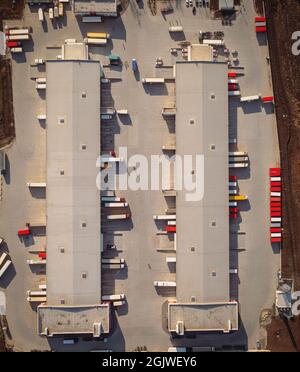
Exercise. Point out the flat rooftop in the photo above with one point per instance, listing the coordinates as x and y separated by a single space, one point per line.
101 7
218 317
60 320
202 266
73 200
200 52
75 51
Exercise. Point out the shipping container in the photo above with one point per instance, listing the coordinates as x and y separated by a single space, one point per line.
91 19
98 35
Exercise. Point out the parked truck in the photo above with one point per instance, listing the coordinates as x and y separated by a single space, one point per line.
124 216
4 268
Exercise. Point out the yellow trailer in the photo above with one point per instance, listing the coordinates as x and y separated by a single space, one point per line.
238 197
98 35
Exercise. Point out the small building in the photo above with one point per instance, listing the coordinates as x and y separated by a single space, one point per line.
200 52
226 5
95 7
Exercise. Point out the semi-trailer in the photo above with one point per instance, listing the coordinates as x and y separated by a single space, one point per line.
110 199
115 205
175 29
165 217
250 98
95 41
164 284
2 258
36 293
113 261
238 197
153 80
17 37
16 50
98 35
36 184
91 19
37 299
115 297
124 216
17 31
113 266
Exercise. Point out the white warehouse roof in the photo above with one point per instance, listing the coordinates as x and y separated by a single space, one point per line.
73 201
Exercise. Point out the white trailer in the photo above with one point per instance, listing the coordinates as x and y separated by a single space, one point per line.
16 50
213 42
250 98
41 14
40 80
118 303
17 37
232 184
153 80
275 225
238 165
238 159
113 261
233 271
234 93
238 153
170 259
113 267
110 159
4 267
36 184
41 117
170 147
175 29
39 61
95 41
40 86
37 299
122 112
91 19
116 205
232 192
36 262
164 284
275 219
233 81
165 217
115 297
275 235
124 216
275 179
36 293
42 287
233 204
18 31
171 223
112 199
2 258
275 194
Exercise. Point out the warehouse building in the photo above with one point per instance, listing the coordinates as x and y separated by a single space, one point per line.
202 227
96 7
73 201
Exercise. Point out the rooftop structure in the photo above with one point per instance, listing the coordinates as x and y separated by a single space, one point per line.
73 201
226 4
95 7
200 52
75 51
202 225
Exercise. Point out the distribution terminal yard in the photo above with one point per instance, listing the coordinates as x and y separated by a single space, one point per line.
141 323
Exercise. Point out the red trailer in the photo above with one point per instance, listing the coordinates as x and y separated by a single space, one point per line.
275 240
275 172
275 189
232 74
275 204
267 99
232 87
261 29
275 230
170 229
233 210
260 19
24 232
13 44
275 184
275 209
233 178
233 216
42 255
275 214
275 199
